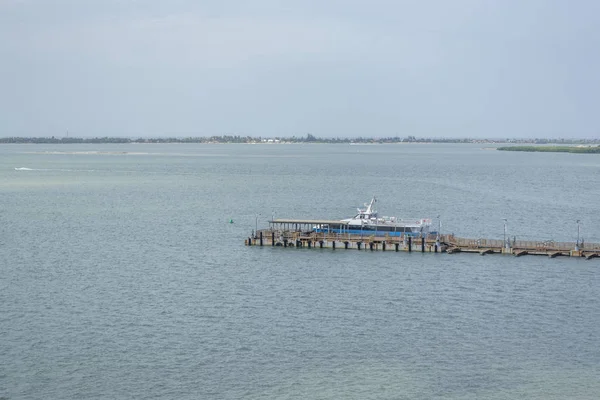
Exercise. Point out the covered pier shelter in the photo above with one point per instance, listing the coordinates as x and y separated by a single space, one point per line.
306 225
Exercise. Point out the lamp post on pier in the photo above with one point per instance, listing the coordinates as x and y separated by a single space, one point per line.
437 239
578 230
505 243
256 225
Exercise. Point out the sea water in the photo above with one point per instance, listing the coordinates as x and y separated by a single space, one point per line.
121 275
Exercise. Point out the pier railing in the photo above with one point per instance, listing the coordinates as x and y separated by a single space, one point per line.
449 240
330 236
420 243
520 244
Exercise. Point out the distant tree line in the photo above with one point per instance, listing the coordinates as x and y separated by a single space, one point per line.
309 138
553 149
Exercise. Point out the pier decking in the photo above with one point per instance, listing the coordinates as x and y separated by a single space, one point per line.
298 234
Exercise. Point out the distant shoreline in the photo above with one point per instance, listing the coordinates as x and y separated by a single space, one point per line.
306 139
553 149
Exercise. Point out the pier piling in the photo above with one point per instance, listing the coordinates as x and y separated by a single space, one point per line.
445 244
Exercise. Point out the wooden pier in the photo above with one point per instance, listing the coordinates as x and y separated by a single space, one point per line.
295 237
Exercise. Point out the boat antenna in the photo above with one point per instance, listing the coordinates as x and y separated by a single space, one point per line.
370 207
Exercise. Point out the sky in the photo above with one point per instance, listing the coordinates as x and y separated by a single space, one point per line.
337 68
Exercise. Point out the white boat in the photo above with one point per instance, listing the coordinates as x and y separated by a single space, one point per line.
367 222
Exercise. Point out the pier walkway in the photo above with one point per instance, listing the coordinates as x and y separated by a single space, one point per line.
292 238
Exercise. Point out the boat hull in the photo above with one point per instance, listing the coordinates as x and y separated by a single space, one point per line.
399 231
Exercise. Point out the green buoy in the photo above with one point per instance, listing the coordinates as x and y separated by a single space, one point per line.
231 221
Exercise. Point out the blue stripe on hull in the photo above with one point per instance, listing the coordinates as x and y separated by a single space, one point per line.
366 232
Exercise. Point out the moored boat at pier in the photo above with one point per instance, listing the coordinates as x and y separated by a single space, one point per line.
368 222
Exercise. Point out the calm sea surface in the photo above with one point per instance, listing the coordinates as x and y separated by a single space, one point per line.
121 277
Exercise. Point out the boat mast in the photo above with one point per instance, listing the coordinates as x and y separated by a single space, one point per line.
370 207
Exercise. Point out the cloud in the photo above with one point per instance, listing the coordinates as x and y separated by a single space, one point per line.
474 67
191 39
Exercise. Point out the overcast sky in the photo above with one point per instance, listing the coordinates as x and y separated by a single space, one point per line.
428 68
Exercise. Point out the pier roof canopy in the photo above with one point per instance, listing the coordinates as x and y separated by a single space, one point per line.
305 221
